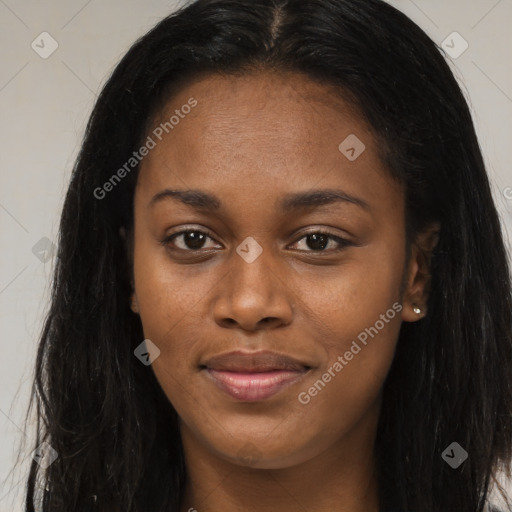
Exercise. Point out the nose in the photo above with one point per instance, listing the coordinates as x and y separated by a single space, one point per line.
254 296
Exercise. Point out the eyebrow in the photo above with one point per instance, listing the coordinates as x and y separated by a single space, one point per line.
291 202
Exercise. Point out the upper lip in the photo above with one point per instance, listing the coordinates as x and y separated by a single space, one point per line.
252 362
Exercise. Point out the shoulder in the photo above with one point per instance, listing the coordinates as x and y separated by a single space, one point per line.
492 508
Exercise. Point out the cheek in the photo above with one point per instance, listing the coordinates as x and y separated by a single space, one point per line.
355 294
347 388
167 314
358 363
176 316
360 316
169 295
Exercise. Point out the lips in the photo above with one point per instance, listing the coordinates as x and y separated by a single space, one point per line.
255 376
246 362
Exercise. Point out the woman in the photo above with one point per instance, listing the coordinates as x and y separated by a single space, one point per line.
281 281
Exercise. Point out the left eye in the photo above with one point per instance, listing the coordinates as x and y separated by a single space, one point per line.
318 241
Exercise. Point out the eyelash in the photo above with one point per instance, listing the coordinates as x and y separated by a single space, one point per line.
341 241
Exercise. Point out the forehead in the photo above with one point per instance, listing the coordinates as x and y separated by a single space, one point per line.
287 112
278 130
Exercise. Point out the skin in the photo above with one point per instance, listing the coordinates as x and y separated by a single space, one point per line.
250 141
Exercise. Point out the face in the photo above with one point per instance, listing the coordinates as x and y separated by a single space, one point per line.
290 244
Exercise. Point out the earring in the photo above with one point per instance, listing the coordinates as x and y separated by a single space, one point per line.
417 310
133 304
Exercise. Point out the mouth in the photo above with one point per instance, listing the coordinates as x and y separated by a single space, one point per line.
252 377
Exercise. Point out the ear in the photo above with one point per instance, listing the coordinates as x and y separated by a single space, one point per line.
418 279
134 305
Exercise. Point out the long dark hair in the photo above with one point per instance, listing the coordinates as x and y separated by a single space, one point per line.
104 413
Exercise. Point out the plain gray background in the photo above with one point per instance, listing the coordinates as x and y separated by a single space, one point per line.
45 103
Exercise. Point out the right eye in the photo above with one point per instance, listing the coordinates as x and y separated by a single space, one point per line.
189 240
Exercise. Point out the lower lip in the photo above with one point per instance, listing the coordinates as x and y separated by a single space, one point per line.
252 387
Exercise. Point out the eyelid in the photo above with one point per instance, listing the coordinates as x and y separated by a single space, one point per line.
188 229
340 240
